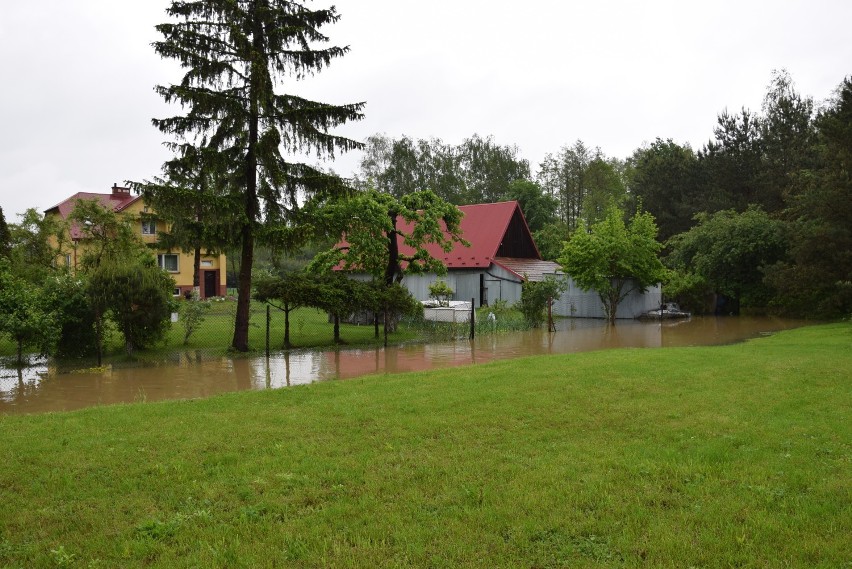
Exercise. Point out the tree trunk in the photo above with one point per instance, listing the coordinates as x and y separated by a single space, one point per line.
241 324
286 327
336 329
393 253
196 270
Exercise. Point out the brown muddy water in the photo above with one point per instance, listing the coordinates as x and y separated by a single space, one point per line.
191 375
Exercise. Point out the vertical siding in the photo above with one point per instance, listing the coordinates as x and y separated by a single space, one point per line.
503 285
578 303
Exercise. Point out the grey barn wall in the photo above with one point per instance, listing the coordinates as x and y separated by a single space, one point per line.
586 304
500 284
504 285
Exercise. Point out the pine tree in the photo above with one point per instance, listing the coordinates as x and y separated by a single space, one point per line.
235 53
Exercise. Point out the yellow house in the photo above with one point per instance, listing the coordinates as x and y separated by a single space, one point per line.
177 263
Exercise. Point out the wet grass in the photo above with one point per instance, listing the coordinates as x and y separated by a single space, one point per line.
732 456
309 328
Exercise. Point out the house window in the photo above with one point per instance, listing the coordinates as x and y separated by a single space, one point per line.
168 262
149 227
176 292
206 263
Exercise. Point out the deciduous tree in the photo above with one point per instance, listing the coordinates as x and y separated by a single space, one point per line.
24 315
730 251
614 258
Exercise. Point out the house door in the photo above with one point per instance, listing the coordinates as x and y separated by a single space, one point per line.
210 284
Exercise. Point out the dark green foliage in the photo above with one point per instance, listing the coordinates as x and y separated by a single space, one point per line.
68 299
137 296
124 282
730 165
234 54
24 314
817 279
550 239
287 292
539 209
788 140
192 203
663 178
730 251
5 238
535 297
583 181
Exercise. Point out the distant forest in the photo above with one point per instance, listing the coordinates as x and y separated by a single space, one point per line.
758 219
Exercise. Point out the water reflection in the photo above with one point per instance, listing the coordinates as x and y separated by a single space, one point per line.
190 375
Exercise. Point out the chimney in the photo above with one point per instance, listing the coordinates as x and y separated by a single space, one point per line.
119 191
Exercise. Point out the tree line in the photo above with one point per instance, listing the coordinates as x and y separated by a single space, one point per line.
758 218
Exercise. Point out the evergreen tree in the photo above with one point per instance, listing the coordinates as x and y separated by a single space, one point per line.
192 201
5 239
817 279
235 53
663 179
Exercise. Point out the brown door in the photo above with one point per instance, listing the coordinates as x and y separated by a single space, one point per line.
210 279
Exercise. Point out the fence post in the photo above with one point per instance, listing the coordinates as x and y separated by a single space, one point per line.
472 319
268 318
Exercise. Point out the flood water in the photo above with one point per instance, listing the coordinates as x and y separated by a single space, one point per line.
190 375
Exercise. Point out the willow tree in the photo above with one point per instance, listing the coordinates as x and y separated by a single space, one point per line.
236 53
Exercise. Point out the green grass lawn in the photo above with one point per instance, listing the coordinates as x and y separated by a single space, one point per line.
308 328
731 456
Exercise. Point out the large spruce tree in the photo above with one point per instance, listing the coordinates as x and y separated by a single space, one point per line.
235 54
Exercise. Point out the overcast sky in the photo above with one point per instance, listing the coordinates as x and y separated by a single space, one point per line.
77 95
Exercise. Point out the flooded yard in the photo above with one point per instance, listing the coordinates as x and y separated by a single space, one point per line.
42 388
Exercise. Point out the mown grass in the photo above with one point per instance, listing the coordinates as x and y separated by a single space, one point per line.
732 456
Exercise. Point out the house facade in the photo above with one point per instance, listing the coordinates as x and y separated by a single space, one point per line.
212 272
501 257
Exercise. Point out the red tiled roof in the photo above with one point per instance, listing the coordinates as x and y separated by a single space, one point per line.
113 201
484 226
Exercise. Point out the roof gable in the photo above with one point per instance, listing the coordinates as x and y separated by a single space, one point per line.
115 201
493 230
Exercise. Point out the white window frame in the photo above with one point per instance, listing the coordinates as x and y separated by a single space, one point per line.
161 262
149 227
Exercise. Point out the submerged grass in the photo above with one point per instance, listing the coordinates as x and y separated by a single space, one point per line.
705 457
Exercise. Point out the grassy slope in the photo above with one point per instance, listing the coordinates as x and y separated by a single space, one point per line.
706 457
